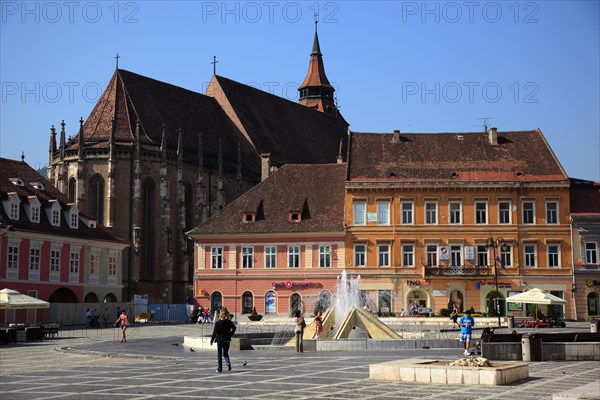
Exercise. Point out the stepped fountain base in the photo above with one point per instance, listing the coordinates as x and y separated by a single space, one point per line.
440 372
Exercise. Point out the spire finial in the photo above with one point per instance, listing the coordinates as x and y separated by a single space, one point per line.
117 58
214 63
316 19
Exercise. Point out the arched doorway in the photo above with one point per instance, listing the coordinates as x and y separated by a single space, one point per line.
91 297
323 302
63 295
247 301
270 302
295 303
110 298
216 300
492 307
456 299
592 304
417 296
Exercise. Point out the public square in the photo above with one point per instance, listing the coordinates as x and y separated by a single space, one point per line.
153 364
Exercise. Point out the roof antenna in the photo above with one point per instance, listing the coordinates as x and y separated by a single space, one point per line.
485 120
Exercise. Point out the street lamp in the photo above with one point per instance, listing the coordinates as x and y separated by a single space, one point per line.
493 244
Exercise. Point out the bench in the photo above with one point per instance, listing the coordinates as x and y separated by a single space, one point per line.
50 330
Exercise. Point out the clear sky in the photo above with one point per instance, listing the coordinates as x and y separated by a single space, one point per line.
410 65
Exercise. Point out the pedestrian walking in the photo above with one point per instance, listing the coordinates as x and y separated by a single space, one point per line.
454 315
222 332
466 322
122 322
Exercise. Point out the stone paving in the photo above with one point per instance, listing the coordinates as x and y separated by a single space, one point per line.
92 364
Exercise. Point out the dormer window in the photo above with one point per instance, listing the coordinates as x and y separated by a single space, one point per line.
249 217
55 214
37 185
17 181
74 218
32 209
13 207
35 214
295 216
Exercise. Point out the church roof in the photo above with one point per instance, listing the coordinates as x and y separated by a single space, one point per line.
584 198
316 69
129 97
18 178
465 156
292 188
290 132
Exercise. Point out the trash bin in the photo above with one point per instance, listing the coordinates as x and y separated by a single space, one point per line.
594 327
511 322
531 347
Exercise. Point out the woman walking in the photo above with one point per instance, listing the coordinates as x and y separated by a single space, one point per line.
122 321
222 333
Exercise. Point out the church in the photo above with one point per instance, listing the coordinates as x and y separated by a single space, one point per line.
153 160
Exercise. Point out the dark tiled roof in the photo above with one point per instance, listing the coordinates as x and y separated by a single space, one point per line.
318 188
130 96
10 169
585 197
290 132
518 156
316 68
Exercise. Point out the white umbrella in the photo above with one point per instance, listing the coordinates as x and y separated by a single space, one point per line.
12 299
535 296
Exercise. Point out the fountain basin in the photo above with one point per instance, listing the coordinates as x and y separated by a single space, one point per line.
420 370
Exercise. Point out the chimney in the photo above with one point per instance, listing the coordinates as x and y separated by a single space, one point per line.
265 166
396 137
339 158
493 136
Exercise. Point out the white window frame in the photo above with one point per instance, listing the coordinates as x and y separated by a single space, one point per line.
452 213
552 215
526 212
506 255
360 213
74 219
408 255
431 216
507 212
14 208
407 213
456 252
247 253
270 256
360 256
74 264
383 254
293 256
54 263
35 214
482 256
216 257
550 255
431 251
94 265
112 267
12 259
383 212
55 214
35 249
325 259
530 257
591 253
479 212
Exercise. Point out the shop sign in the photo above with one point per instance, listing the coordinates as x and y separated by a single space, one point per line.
417 283
592 283
289 285
440 293
501 285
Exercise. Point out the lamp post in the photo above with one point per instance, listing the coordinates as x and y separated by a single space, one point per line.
493 244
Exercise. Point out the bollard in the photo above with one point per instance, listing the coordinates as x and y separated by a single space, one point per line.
511 322
526 348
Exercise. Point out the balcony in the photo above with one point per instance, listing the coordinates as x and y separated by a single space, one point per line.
458 270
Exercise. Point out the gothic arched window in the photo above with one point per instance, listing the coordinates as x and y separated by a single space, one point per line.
97 198
71 190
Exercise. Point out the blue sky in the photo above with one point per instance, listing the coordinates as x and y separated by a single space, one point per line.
409 65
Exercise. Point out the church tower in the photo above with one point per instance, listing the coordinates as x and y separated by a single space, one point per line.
316 91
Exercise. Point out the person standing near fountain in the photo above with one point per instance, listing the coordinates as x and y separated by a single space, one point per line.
466 322
299 331
318 325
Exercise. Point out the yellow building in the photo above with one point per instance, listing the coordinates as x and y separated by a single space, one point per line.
427 215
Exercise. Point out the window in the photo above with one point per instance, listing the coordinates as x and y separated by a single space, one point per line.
506 255
54 259
383 255
504 212
14 209
430 213
360 255
455 256
324 256
270 257
71 191
94 261
293 256
455 212
12 260
552 212
360 210
97 198
112 263
482 256
432 251
528 212
247 257
383 213
530 260
34 260
74 265
553 256
591 253
35 213
408 255
55 214
480 212
216 257
407 213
